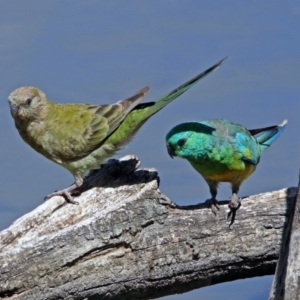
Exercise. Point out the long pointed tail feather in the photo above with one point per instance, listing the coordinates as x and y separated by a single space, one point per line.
143 111
164 100
268 135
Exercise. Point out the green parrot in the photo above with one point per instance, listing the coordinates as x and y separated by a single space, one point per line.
79 137
221 151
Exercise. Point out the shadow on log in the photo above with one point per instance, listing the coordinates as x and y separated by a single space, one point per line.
126 240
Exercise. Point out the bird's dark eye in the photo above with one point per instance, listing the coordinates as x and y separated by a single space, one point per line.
181 142
28 101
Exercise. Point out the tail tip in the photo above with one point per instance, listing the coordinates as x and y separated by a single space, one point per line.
285 121
218 64
144 90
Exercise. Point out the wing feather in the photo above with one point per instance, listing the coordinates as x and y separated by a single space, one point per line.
82 128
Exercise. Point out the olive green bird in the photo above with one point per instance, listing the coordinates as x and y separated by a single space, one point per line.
221 151
79 137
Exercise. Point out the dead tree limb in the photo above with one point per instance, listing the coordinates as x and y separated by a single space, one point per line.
286 282
126 240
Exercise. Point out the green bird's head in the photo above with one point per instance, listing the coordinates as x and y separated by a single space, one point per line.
186 140
27 103
177 140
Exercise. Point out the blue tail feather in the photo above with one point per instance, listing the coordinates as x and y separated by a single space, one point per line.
267 137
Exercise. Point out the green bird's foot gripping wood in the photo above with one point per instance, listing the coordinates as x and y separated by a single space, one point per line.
221 151
80 137
234 204
213 204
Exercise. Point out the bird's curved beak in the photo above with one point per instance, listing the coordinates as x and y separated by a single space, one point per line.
13 109
171 150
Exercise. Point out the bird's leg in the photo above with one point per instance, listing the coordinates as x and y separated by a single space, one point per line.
66 193
234 204
213 186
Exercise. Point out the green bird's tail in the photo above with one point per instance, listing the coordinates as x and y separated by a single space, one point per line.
266 136
142 112
156 106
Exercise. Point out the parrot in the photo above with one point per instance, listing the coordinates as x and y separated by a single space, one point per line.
221 151
79 137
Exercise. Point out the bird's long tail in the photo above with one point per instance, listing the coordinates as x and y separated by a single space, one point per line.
143 111
266 136
166 99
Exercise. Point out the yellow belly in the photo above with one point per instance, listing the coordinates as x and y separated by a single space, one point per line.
229 175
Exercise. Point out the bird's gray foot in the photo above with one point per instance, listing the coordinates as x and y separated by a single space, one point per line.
213 205
234 205
66 193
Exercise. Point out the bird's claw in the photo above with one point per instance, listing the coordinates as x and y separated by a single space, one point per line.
234 205
213 205
214 208
64 193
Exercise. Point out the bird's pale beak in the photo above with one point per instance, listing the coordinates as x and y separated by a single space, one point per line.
13 109
171 150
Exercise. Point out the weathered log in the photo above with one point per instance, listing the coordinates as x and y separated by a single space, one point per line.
286 282
126 240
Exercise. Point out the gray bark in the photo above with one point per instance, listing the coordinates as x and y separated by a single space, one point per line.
126 240
286 283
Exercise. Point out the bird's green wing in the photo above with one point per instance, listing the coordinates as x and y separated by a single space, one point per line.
77 130
233 141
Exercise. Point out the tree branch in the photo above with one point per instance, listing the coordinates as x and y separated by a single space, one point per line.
286 283
126 240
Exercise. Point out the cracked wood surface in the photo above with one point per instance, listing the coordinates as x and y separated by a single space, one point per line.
286 282
126 240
